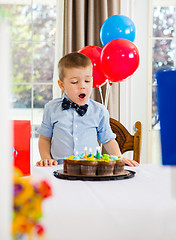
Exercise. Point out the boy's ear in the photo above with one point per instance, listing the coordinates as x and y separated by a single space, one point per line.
61 85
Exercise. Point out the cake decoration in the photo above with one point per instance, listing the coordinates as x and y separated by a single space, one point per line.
85 149
114 157
91 165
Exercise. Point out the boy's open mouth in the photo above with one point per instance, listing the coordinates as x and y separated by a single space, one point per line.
82 95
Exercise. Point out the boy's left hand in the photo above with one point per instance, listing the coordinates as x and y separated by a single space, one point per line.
131 163
46 162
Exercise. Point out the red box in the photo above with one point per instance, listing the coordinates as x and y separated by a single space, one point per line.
21 144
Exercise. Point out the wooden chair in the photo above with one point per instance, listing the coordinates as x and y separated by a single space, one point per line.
126 141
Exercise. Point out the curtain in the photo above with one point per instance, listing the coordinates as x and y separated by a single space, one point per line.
82 22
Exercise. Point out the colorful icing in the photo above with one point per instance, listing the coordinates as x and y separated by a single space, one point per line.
105 157
91 157
103 160
74 157
81 156
114 158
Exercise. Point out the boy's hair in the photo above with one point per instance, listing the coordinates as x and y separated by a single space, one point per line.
72 60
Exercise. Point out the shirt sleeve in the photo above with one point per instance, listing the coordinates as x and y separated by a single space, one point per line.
46 128
104 131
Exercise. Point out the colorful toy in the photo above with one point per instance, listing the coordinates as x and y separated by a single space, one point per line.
27 206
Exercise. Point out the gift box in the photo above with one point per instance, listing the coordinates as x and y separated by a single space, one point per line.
166 91
21 145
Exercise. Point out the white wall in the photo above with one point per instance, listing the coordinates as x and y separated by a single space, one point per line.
140 80
133 101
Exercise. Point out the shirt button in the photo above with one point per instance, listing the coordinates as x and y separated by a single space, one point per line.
76 139
76 126
76 114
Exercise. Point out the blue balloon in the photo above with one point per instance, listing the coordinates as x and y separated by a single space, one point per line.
115 27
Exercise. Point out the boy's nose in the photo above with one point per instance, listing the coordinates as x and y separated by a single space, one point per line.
82 86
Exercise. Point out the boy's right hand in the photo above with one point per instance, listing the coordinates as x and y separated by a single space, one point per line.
46 162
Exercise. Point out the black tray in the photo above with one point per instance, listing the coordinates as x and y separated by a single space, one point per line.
127 174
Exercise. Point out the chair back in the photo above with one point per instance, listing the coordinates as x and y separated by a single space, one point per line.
126 141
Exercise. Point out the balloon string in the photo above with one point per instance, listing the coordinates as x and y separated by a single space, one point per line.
101 95
106 99
107 93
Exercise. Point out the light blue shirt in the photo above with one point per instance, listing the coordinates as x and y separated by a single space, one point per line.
70 132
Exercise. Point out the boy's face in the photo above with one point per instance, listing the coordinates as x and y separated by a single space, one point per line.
77 84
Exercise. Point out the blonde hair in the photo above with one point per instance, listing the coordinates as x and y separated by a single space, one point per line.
72 60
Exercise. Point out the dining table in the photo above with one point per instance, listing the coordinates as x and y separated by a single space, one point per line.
142 207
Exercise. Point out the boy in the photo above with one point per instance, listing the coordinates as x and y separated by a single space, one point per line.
74 122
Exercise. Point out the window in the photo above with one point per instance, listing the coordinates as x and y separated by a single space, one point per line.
164 52
164 45
33 27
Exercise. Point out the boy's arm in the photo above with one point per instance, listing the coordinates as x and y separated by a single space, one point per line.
45 149
112 147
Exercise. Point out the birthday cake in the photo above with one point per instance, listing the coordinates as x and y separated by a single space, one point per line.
90 165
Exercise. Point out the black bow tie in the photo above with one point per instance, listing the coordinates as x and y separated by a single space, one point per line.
81 110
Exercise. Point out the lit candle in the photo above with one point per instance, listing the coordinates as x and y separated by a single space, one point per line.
90 151
85 155
98 153
5 140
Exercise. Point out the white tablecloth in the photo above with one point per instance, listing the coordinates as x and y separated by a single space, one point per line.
141 208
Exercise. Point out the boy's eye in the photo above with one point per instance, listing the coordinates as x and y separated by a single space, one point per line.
88 80
74 82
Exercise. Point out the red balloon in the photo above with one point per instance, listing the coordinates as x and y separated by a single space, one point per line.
119 59
94 52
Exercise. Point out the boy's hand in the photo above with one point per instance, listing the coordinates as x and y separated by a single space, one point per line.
46 162
131 163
